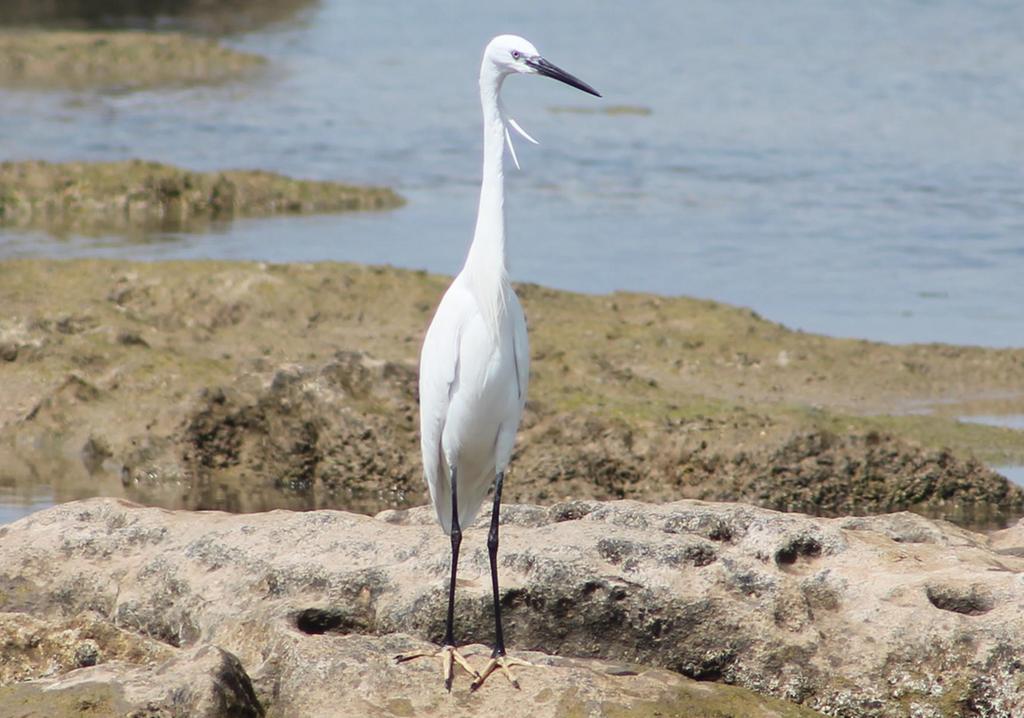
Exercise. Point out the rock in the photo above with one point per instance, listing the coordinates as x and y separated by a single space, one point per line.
33 648
341 433
350 675
127 60
206 682
203 17
251 386
880 616
121 197
554 687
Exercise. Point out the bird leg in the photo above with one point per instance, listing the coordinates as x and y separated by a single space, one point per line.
499 661
448 653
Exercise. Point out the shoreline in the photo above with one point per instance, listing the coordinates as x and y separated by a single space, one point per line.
197 384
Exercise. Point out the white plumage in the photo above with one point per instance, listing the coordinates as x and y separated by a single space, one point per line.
475 363
474 372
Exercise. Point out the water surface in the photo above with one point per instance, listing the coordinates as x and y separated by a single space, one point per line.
846 168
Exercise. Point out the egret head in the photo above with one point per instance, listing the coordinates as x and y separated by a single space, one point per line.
510 54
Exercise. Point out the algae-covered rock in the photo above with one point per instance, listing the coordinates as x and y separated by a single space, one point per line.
813 471
342 434
201 16
126 60
89 197
251 386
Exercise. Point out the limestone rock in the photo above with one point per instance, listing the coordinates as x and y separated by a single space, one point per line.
881 616
206 682
313 668
33 648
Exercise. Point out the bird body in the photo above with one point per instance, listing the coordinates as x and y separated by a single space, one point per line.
473 378
475 363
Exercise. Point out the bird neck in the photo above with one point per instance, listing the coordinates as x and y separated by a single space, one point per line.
486 262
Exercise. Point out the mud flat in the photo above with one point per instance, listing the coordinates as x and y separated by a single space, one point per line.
247 386
137 196
127 60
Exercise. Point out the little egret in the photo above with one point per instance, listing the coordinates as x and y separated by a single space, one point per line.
475 363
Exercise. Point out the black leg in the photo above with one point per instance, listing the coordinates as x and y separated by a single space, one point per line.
499 661
492 549
449 632
448 654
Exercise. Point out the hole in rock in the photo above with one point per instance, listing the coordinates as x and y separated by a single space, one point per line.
971 600
806 546
315 621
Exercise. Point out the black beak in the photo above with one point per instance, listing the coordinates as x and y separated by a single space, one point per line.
545 68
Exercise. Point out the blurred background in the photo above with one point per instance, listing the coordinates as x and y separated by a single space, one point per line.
854 169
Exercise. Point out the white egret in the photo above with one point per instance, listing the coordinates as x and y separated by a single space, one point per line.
475 363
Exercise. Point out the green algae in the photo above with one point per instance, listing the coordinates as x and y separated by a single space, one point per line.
631 395
127 60
136 196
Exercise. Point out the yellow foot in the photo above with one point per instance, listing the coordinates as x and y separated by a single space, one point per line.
504 664
449 656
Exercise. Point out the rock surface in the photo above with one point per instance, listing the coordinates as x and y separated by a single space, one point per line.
205 682
121 197
891 615
116 60
252 386
343 434
326 675
196 16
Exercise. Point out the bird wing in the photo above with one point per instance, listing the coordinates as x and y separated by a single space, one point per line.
439 371
506 438
521 348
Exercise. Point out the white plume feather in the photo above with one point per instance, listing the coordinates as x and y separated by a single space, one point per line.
507 121
511 147
520 130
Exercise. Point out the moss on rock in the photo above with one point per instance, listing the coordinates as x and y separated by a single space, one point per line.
119 197
251 386
201 16
116 60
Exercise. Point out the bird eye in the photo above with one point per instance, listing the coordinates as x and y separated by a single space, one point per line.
515 54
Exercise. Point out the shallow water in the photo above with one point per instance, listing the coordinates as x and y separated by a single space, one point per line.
1013 472
1008 421
847 169
15 505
